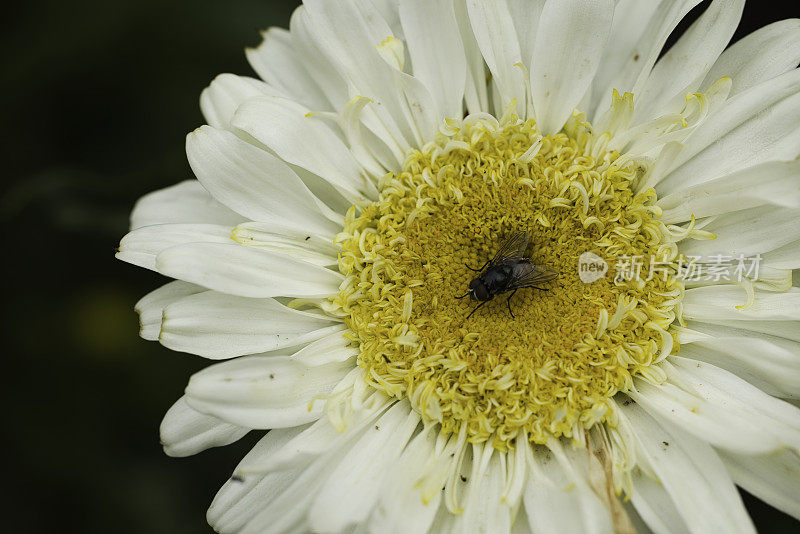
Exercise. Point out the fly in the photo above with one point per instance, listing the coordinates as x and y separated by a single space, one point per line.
508 270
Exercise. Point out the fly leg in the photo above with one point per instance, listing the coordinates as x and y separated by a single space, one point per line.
476 309
478 270
464 295
508 302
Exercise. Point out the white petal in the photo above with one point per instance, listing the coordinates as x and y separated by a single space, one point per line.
768 362
297 241
151 307
239 500
761 56
255 183
220 100
630 20
720 408
485 511
186 202
401 506
218 326
654 505
437 55
559 499
639 61
683 67
264 391
352 489
780 329
185 431
526 14
277 62
785 257
750 232
717 303
247 272
331 348
306 141
775 479
476 92
497 38
142 246
692 474
778 184
569 44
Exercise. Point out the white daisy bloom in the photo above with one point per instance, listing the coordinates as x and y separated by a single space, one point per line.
343 204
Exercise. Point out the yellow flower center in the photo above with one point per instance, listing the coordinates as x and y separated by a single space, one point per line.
551 368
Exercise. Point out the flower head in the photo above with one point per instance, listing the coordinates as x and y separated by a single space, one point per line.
624 225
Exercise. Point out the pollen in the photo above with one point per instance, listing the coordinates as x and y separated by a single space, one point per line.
549 370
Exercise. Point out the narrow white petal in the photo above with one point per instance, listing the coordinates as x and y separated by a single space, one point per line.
437 55
720 408
692 474
476 92
759 57
497 38
254 182
220 100
569 44
352 490
631 17
293 239
219 326
151 307
559 499
264 391
724 302
402 507
771 363
775 478
778 328
778 185
185 431
142 246
654 505
186 202
485 511
639 61
303 140
331 348
247 272
277 61
526 14
683 67
750 232
238 501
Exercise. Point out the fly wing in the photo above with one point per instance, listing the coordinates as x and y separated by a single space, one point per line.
527 274
512 249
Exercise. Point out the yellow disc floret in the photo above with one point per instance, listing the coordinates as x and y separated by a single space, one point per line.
551 368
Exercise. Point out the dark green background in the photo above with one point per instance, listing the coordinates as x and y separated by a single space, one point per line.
96 100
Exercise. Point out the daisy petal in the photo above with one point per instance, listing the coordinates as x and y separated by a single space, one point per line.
683 67
151 307
484 509
255 183
220 100
778 185
497 38
476 96
185 431
142 246
720 408
219 326
287 128
297 241
277 62
263 391
186 202
724 302
570 41
655 507
352 489
437 55
238 501
761 56
692 474
775 479
247 272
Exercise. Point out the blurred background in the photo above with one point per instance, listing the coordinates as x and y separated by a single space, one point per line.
97 98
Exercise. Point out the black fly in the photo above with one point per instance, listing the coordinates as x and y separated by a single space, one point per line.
509 270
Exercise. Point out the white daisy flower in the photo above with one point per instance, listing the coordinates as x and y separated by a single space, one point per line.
344 203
